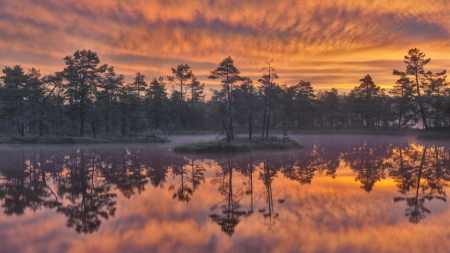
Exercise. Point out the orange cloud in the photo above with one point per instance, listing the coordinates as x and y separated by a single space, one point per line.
332 43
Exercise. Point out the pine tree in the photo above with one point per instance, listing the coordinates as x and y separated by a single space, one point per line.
196 95
415 62
13 94
267 88
107 99
367 91
402 92
82 72
229 75
157 103
304 103
435 90
181 74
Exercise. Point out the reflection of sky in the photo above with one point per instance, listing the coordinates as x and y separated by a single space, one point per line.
330 43
331 215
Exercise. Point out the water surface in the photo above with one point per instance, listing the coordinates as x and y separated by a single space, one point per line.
338 194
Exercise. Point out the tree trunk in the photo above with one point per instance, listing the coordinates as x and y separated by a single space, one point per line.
422 112
267 121
250 125
264 123
41 127
124 126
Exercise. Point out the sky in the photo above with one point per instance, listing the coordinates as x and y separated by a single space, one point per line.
329 43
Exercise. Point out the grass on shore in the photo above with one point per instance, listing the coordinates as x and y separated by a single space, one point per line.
53 139
238 145
433 135
356 131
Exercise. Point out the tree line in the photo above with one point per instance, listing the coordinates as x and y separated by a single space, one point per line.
87 97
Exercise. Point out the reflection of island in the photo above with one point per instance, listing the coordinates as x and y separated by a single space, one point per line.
230 208
246 167
294 166
267 173
423 172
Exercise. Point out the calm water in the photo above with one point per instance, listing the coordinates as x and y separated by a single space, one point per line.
338 194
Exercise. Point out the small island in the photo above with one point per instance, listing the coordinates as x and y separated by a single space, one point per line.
238 145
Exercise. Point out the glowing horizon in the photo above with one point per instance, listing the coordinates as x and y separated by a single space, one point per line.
331 44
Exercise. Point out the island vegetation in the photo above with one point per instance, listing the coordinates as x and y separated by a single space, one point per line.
239 144
88 101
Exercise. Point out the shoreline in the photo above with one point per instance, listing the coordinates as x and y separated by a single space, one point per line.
52 139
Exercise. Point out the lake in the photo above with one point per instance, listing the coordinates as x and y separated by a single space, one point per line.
340 193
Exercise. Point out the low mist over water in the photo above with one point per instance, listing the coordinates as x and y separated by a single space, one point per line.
340 193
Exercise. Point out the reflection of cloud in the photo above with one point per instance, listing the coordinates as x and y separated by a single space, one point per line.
151 35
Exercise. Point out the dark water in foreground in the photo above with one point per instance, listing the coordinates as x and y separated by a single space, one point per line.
338 194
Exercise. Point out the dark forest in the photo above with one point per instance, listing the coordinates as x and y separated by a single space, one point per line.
88 98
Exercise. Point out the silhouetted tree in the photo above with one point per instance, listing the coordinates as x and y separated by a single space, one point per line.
181 74
402 92
229 75
82 72
157 103
367 92
267 89
415 62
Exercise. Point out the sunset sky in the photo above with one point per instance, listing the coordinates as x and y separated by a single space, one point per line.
330 43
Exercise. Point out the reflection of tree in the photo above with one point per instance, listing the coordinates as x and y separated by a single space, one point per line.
425 174
189 180
183 191
137 172
88 195
247 170
231 209
157 168
416 209
369 161
327 158
24 184
300 169
83 180
79 183
266 175
197 176
124 169
402 166
438 172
